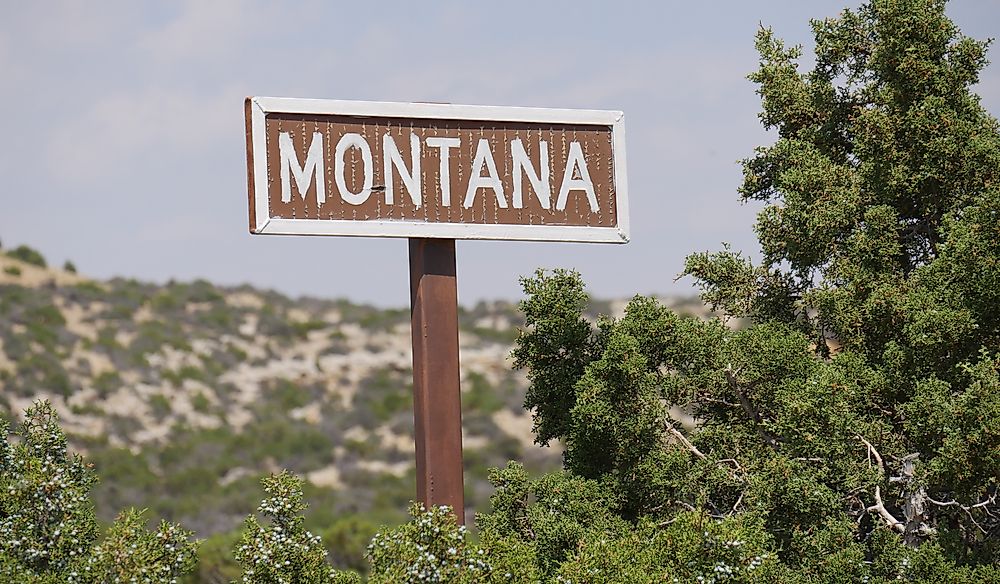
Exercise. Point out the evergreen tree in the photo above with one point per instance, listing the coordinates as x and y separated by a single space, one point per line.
855 419
48 530
281 550
848 430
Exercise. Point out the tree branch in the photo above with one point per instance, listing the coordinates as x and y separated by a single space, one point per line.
770 439
737 503
694 449
744 401
723 402
968 508
683 440
879 506
731 461
873 452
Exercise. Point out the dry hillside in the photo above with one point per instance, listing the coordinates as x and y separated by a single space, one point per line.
184 394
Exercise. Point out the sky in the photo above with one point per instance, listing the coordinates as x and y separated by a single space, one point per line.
124 147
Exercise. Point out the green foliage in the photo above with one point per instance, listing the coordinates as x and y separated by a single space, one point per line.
215 560
69 266
200 402
86 290
373 319
546 518
346 541
852 431
42 370
774 483
302 329
480 396
48 531
288 396
160 405
12 270
881 191
430 548
131 553
176 378
282 551
107 382
27 255
46 520
555 348
153 335
386 393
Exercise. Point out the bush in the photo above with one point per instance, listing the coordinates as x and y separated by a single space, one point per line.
282 550
27 255
48 530
347 541
431 548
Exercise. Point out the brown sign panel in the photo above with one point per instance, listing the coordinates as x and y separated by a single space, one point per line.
429 170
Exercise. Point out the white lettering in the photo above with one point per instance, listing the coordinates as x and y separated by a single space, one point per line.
352 140
522 165
575 160
392 158
303 175
445 144
476 179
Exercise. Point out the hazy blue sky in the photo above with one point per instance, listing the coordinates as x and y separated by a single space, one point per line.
124 150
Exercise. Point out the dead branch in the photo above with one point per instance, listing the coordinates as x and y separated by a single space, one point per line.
873 452
723 402
694 449
879 507
744 401
731 461
683 440
739 500
968 508
754 415
667 522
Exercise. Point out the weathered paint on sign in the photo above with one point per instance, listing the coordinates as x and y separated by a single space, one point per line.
431 170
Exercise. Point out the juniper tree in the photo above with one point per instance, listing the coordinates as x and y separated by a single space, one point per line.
280 550
48 529
880 248
856 418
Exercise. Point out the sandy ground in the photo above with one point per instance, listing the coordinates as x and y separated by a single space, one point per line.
32 276
316 358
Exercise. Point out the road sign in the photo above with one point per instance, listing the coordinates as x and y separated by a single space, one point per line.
435 173
326 167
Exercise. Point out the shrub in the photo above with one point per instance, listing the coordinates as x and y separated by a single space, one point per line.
27 255
347 540
431 548
281 550
107 382
160 406
200 402
48 530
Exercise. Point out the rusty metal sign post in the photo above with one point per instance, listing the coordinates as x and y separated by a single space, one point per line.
437 405
434 173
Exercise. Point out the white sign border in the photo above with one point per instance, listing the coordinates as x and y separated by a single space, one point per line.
266 225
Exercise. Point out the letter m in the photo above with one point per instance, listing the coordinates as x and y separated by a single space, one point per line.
303 174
